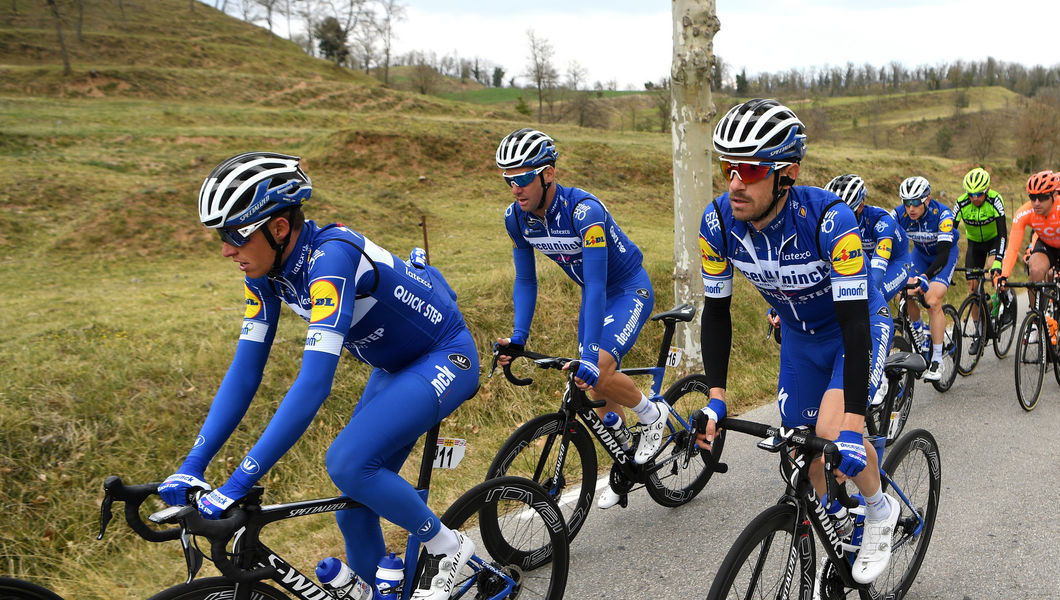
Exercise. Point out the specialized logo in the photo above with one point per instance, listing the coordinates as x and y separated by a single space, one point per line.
462 362
249 466
712 263
848 258
946 225
325 300
883 249
253 303
594 237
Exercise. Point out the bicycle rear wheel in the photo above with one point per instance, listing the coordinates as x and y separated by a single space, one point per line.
1030 361
1004 330
951 349
972 331
567 471
676 483
521 533
18 589
915 468
877 420
216 588
755 565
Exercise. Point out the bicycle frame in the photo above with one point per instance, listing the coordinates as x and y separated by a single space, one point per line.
988 322
1046 291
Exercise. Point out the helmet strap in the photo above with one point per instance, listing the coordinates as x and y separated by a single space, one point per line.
544 191
278 247
778 193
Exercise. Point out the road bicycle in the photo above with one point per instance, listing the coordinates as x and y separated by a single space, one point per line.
1037 347
19 589
520 544
951 344
981 320
775 555
901 369
556 449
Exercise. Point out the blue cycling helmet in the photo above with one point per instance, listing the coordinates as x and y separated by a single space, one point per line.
251 186
914 188
850 188
761 129
526 148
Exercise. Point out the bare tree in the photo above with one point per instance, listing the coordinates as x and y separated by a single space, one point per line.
365 37
80 19
59 30
576 75
269 7
695 23
985 131
540 69
392 11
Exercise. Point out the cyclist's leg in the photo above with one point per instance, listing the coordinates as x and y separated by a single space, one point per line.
895 279
394 411
920 264
804 374
882 327
935 297
1038 265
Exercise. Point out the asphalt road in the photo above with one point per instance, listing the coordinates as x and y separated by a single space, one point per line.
993 537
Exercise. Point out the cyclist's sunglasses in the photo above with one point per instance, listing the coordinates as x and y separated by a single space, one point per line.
1041 197
523 179
239 237
749 171
975 195
913 202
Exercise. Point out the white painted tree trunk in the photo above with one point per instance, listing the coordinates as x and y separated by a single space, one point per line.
695 24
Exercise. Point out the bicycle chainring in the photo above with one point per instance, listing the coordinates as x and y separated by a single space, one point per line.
620 484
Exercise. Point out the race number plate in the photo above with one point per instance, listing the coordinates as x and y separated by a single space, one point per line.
673 358
449 453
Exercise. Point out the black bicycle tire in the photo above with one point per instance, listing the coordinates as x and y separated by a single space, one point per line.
673 497
1005 331
1021 359
481 501
20 589
944 384
964 315
552 425
779 518
923 443
216 588
878 423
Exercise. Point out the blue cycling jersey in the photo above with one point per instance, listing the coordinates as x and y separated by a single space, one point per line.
887 246
804 261
580 235
934 226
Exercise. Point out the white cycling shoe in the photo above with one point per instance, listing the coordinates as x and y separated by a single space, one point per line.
608 498
441 571
875 550
651 434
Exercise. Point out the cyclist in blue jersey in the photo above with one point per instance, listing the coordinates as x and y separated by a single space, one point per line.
573 228
399 317
885 246
930 228
800 247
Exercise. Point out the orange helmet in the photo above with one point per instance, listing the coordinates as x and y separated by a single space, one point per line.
1042 182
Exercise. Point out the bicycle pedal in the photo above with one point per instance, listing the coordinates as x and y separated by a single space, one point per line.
721 468
623 500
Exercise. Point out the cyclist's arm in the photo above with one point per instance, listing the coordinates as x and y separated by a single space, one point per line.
943 254
853 318
715 342
884 230
590 226
1019 225
524 289
998 251
850 296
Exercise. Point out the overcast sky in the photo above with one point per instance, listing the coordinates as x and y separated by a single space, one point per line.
630 41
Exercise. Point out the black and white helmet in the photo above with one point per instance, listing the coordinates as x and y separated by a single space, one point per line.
763 130
914 188
249 187
850 188
526 148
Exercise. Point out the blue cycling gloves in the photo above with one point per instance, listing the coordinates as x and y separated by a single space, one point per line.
851 446
174 490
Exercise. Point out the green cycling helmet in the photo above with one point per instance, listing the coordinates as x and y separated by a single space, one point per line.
976 181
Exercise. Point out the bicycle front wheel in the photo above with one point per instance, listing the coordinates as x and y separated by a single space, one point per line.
756 564
565 469
1030 361
521 533
971 316
217 588
677 482
18 589
1004 330
951 348
915 469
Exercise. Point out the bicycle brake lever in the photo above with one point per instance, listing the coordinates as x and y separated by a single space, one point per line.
192 556
105 514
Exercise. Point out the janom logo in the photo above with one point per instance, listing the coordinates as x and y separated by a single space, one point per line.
714 288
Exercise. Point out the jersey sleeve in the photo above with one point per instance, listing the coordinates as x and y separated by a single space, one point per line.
714 263
524 289
946 232
1019 224
839 238
589 220
885 233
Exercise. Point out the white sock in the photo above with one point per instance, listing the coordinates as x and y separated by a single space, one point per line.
445 542
936 353
876 506
646 411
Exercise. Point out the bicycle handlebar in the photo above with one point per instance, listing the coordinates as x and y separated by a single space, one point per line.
1034 285
543 361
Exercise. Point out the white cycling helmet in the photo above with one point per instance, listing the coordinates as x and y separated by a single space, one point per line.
850 188
526 148
763 130
914 188
248 187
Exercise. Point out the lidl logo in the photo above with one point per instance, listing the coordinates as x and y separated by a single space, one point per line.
847 256
253 303
946 225
712 263
594 238
883 249
325 300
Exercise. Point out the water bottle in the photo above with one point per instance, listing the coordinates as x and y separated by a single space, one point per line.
622 435
844 522
859 525
995 304
388 577
918 335
341 581
1053 328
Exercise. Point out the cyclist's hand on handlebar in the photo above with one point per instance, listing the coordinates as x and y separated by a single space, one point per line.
715 411
1000 282
586 375
923 281
174 490
213 504
851 446
505 349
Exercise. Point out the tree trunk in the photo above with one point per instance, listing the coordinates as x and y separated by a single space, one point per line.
80 19
695 24
59 30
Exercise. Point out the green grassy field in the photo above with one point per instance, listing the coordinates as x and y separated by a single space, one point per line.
120 315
